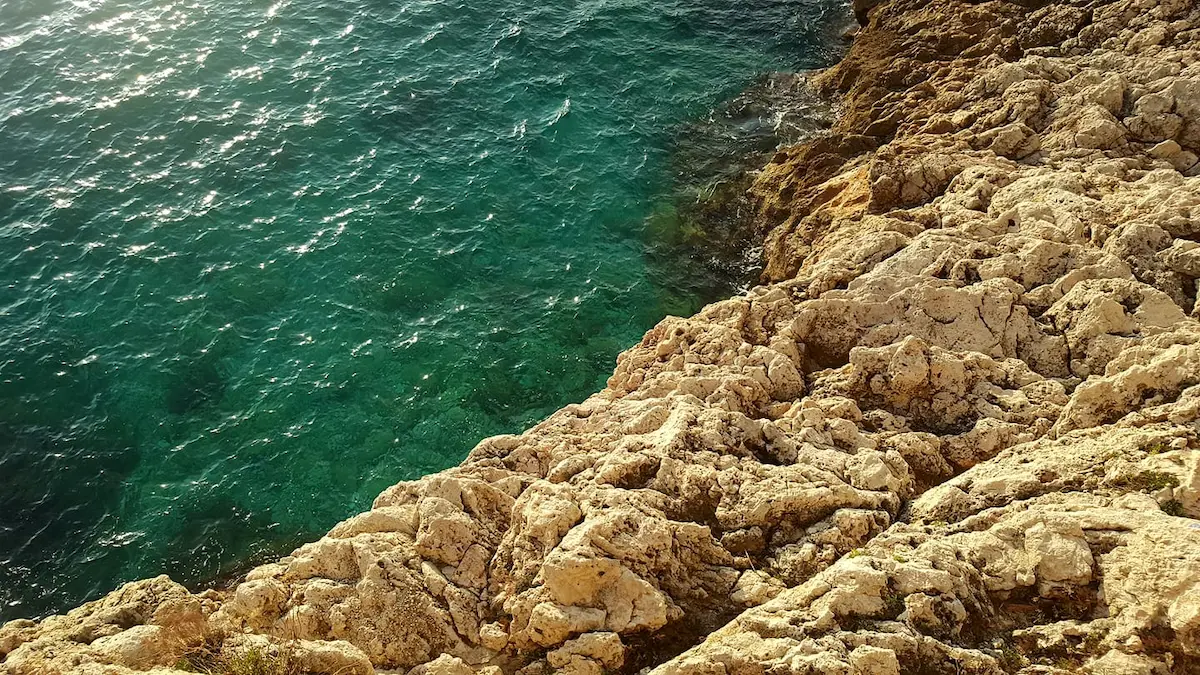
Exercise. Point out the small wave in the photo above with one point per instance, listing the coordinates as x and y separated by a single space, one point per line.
269 276
563 110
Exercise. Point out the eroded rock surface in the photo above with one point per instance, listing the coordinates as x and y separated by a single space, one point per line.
955 431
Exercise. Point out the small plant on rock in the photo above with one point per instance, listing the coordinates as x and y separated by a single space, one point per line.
1173 507
1010 659
1152 480
208 659
893 604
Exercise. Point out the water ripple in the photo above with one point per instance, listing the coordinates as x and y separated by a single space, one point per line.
263 260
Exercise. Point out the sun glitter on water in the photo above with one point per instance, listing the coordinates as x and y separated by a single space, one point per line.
265 259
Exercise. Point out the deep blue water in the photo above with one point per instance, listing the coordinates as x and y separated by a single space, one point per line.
260 260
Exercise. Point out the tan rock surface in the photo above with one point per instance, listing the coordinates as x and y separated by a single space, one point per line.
955 431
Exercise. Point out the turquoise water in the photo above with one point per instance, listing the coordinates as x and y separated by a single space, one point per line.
262 259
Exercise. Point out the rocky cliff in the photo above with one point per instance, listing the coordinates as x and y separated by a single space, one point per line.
954 432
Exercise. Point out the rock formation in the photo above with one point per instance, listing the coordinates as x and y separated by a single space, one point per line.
955 431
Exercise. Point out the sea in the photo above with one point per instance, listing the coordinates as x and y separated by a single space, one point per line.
260 260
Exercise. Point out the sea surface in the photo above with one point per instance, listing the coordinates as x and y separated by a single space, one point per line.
261 259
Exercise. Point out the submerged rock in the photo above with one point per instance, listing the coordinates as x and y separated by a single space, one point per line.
707 218
954 431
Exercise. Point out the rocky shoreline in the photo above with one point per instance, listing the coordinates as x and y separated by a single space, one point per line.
955 431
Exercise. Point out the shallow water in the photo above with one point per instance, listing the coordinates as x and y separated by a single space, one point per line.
261 260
